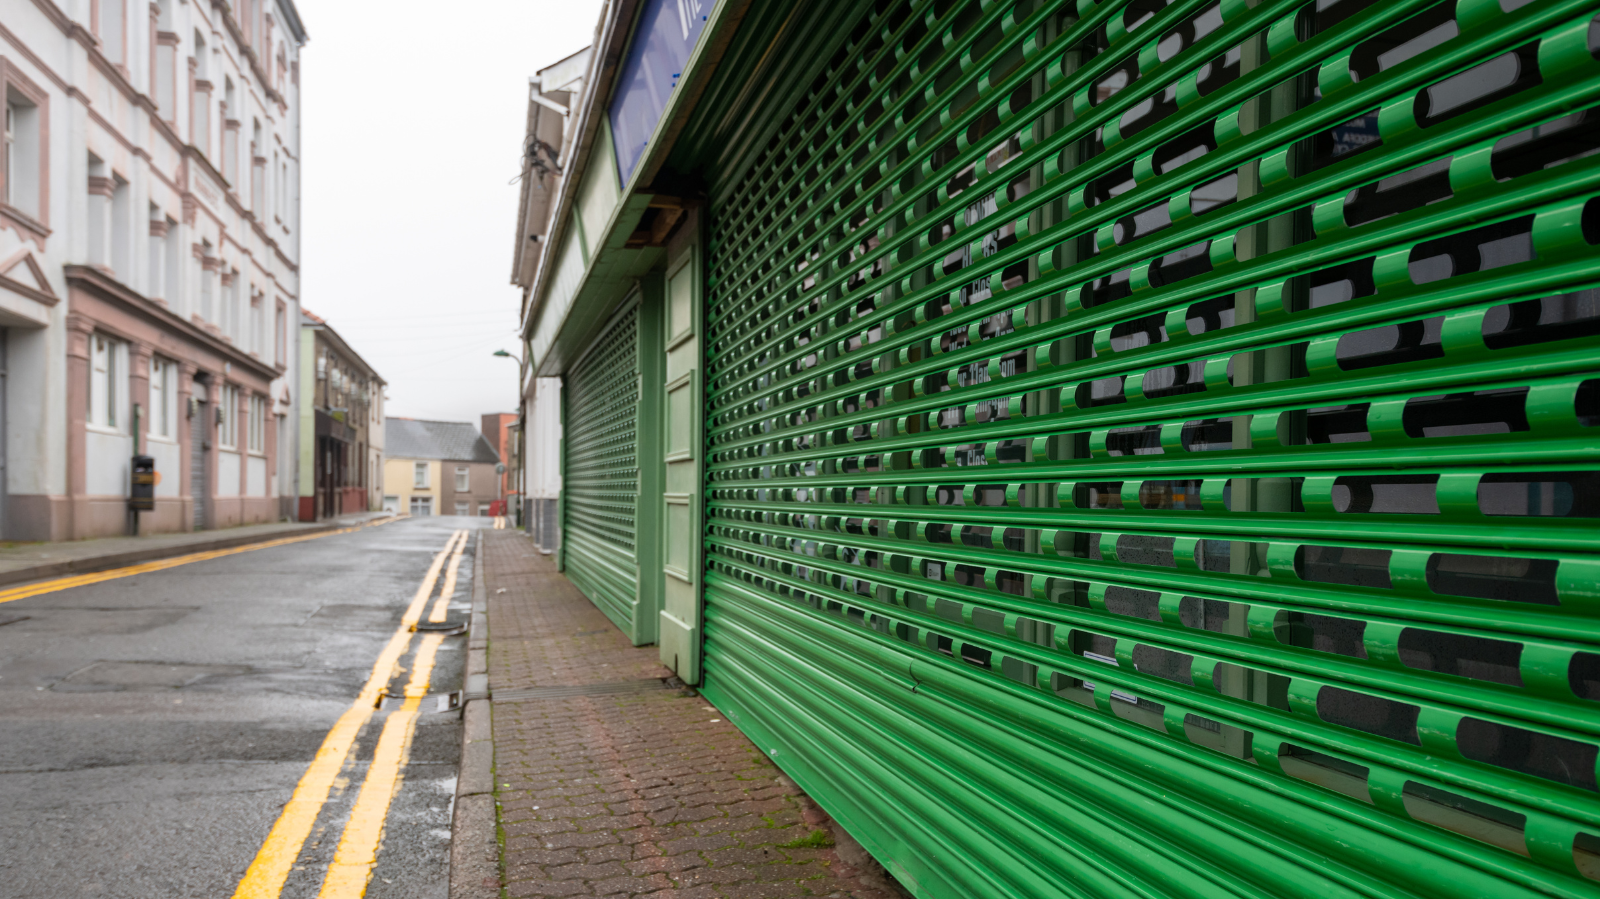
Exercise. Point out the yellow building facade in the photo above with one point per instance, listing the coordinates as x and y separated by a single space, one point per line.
412 486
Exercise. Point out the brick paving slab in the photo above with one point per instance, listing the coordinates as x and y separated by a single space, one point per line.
648 793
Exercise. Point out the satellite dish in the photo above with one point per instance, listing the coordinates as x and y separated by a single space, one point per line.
500 468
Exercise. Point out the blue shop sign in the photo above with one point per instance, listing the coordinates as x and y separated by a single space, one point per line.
667 33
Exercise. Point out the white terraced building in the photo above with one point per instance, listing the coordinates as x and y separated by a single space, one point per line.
149 262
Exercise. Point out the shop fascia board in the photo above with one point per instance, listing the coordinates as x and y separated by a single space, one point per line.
597 84
612 256
605 284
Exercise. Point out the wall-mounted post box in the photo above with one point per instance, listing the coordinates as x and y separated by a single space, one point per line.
142 495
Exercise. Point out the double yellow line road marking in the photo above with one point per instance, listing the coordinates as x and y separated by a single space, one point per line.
357 852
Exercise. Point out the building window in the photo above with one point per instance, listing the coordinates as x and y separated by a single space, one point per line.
463 508
463 480
161 398
228 418
107 381
201 98
23 153
171 289
258 423
483 508
279 336
257 325
208 288
12 123
419 475
232 328
258 198
121 228
99 224
422 505
165 53
160 279
112 37
230 135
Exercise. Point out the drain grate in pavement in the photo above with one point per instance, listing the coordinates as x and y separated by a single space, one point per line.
537 693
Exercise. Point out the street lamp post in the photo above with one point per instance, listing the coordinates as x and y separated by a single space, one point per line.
521 418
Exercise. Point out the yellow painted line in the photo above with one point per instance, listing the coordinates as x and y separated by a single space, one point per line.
442 607
265 877
79 580
357 854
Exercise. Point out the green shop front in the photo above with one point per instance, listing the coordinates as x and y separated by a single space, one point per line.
1119 449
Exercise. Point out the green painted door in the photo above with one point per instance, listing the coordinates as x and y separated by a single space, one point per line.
1152 447
600 483
683 457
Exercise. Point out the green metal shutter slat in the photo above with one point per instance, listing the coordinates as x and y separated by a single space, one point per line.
600 489
1152 447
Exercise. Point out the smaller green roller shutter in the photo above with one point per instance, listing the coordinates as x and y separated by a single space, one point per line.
601 484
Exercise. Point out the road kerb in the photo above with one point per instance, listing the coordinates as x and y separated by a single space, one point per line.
474 851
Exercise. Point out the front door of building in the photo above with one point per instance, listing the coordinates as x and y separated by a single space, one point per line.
199 443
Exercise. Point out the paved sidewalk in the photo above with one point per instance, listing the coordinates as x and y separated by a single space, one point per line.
31 561
640 790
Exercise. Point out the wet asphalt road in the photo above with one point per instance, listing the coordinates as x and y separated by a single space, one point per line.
152 727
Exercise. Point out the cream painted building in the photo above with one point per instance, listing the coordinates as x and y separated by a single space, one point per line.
438 468
411 486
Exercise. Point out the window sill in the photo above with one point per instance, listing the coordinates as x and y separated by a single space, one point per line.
93 428
24 221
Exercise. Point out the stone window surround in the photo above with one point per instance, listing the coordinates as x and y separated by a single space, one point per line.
11 78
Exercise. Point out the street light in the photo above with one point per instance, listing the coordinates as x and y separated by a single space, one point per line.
500 469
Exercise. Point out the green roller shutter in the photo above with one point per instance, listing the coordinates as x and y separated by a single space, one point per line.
600 484
1152 447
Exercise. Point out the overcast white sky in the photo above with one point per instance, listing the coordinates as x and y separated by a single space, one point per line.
413 124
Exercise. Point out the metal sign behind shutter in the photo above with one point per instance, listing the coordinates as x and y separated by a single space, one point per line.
601 481
1152 446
